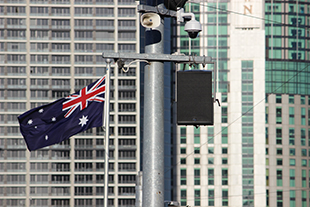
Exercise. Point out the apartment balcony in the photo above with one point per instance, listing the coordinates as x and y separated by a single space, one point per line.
60 194
127 158
61 14
127 87
127 28
16 158
105 39
105 27
39 86
17 50
60 2
83 15
61 87
16 62
39 14
58 38
61 62
61 27
10 26
127 147
16 1
90 27
39 26
17 86
39 62
127 98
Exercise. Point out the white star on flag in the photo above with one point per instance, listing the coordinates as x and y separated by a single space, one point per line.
54 119
83 120
41 110
30 121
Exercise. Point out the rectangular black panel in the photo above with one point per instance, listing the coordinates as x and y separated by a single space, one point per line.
194 97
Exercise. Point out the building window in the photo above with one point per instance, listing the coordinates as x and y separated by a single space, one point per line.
210 150
302 100
303 116
183 176
183 150
279 177
291 136
279 198
196 176
196 135
210 176
225 197
224 114
210 135
278 98
304 198
279 136
211 197
291 99
304 178
278 115
197 197
292 162
183 161
291 116
224 135
183 197
183 135
292 177
292 198
126 12
224 176
196 161
196 150
303 137
224 150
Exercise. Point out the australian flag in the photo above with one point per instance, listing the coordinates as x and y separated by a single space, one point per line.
55 122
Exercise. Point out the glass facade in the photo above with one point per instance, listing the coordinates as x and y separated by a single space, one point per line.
247 133
286 119
49 49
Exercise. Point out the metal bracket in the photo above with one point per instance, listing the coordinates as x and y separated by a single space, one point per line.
165 58
160 57
160 9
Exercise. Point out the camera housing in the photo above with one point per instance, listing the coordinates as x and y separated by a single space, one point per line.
192 27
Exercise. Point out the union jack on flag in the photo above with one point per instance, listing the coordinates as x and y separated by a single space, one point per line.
84 96
55 122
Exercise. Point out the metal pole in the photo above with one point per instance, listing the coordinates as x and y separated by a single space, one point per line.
153 138
107 131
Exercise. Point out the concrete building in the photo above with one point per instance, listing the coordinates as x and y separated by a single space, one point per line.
49 49
257 152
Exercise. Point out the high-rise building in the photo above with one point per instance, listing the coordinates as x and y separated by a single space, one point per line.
257 153
49 49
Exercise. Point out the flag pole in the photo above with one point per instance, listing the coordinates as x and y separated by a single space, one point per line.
107 131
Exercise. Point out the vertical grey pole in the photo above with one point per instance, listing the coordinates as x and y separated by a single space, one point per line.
139 189
107 131
153 137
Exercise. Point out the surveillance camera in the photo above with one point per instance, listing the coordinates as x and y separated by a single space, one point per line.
192 27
